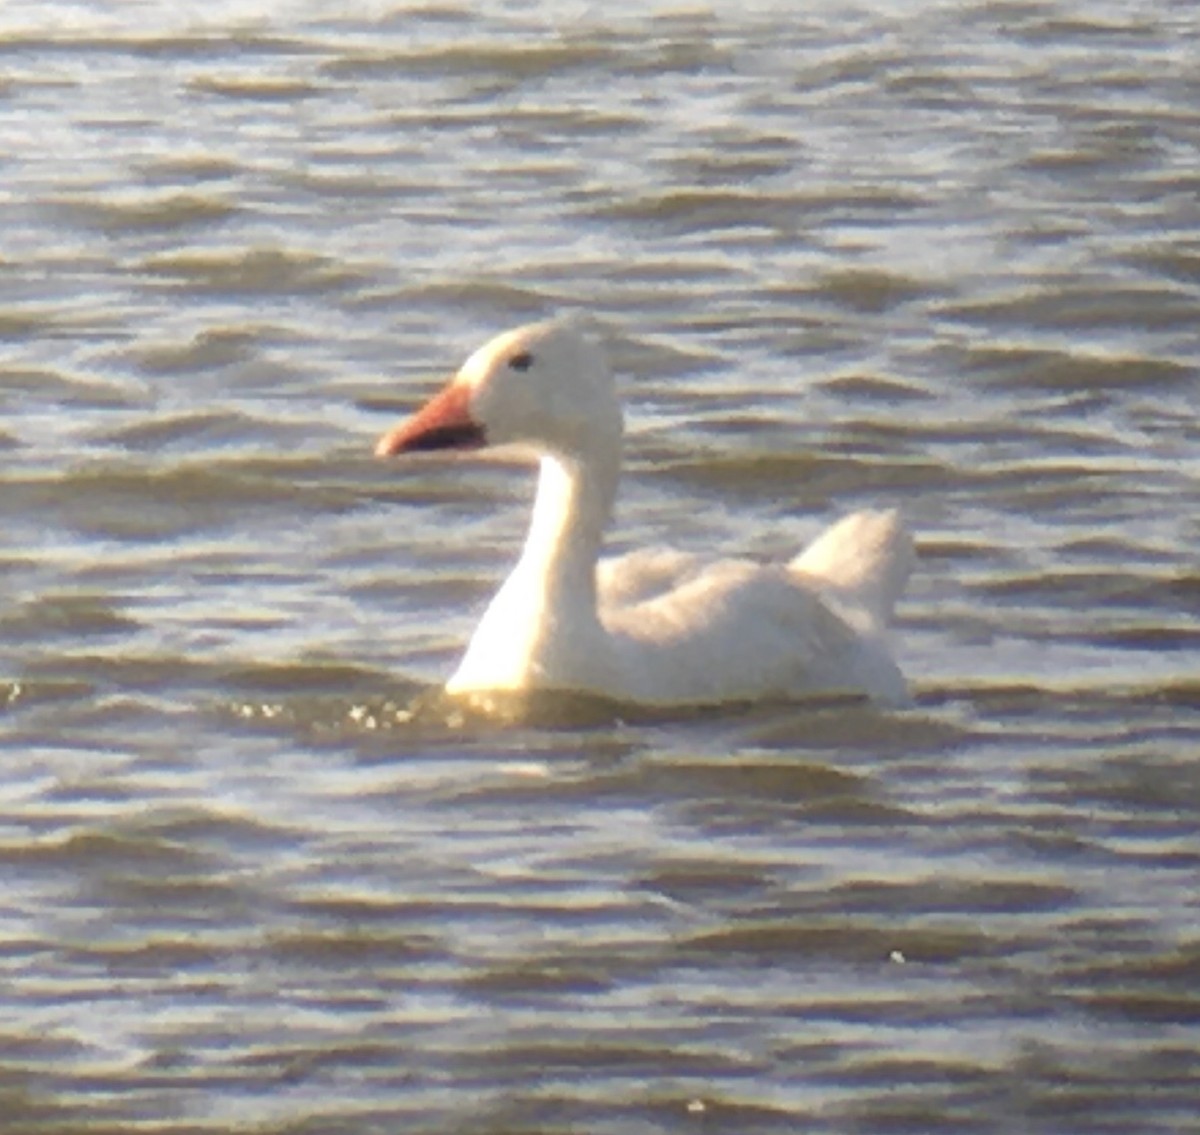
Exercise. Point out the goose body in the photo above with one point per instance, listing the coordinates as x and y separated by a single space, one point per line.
654 627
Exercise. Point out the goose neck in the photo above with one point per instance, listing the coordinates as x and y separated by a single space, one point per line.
574 501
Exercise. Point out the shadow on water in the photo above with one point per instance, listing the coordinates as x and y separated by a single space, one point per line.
409 714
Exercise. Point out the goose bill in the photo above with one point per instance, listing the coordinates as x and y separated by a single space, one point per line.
444 422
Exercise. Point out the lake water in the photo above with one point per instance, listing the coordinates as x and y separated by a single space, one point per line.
941 256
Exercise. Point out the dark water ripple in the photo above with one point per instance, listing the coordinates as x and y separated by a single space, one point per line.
258 875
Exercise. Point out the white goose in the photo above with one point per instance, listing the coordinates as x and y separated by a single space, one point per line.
652 627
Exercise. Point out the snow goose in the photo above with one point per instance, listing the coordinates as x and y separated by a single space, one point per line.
652 627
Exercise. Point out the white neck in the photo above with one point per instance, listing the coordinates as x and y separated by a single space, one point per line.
573 504
544 620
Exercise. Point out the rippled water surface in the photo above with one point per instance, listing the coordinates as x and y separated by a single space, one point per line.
258 877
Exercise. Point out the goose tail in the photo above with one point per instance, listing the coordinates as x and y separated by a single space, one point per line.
864 561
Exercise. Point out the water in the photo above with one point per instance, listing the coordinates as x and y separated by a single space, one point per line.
257 877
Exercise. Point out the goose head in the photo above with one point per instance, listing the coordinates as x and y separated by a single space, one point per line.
547 386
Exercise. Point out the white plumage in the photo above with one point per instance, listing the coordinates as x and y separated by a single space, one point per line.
655 627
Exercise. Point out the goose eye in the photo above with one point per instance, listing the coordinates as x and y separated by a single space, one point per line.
522 361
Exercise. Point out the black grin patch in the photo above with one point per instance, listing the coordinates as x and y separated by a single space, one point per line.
448 437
